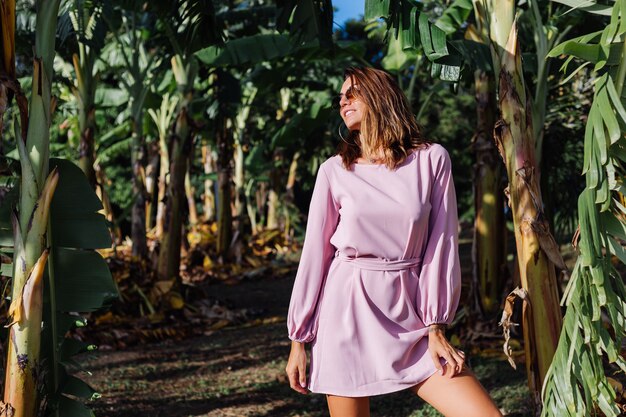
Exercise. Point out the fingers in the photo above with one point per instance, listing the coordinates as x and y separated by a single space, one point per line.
435 358
459 360
454 357
451 363
295 380
302 378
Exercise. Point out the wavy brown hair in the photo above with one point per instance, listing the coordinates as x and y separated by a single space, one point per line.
388 122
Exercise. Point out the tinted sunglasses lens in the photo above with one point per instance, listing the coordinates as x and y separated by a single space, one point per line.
349 94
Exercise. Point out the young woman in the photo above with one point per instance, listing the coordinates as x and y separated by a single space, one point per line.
379 276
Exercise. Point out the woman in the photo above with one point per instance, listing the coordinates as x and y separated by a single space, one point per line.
379 276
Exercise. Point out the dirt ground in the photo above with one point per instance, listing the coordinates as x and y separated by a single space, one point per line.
239 371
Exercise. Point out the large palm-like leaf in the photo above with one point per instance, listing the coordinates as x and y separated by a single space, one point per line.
307 20
594 325
414 31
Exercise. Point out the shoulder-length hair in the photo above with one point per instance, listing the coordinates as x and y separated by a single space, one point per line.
387 123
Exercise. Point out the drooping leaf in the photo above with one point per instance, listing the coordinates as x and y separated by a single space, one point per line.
454 16
75 218
588 6
247 50
405 21
307 20
78 388
83 280
72 408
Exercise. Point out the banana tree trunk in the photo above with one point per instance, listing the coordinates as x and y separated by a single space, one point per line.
209 196
23 367
138 214
101 192
489 227
190 193
537 252
289 197
85 98
224 213
224 175
272 198
240 178
164 166
152 179
169 254
251 208
239 182
86 147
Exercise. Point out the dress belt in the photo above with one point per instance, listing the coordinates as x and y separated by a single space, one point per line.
380 264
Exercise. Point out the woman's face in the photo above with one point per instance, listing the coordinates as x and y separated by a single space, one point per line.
351 108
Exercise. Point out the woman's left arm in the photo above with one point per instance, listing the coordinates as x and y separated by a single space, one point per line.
439 285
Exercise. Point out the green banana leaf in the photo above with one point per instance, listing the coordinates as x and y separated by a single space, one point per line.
79 277
588 6
414 31
455 16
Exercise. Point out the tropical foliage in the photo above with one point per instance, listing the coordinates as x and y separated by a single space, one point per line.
578 383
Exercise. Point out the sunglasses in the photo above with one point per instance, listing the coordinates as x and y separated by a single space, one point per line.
349 95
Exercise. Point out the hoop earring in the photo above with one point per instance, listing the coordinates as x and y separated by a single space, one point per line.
341 136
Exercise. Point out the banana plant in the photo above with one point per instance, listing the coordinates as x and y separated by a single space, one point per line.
23 364
249 92
87 22
182 24
179 148
577 383
537 251
489 224
49 215
163 118
138 65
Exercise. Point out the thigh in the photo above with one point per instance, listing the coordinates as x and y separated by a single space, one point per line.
459 396
348 406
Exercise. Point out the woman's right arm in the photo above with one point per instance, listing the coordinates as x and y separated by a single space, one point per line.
317 254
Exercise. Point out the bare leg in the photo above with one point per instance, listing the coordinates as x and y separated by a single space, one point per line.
348 406
459 396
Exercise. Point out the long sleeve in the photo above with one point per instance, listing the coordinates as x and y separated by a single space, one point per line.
317 254
439 285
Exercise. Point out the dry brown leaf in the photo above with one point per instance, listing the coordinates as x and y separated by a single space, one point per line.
219 324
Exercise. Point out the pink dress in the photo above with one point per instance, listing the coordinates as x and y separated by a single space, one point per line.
379 264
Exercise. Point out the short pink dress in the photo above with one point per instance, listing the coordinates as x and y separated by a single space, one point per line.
379 264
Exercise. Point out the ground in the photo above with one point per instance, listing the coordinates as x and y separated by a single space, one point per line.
239 371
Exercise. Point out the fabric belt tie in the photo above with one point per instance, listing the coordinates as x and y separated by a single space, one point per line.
379 264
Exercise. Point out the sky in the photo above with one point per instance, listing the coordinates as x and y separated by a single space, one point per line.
348 9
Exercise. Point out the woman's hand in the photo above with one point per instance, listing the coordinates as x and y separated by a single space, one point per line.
296 367
438 346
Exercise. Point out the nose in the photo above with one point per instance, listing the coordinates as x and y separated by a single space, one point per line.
343 99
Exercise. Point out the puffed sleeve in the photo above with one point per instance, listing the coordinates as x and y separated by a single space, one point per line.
317 254
439 284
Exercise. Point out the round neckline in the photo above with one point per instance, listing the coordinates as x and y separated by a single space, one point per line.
379 165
